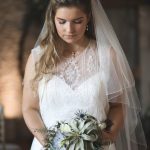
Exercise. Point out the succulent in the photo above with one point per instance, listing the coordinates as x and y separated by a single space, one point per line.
83 132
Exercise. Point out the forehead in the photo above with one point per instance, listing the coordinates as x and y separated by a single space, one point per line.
69 12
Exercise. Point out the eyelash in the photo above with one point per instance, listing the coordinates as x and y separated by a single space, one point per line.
62 22
76 22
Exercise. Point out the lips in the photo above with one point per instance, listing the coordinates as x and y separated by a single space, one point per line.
70 36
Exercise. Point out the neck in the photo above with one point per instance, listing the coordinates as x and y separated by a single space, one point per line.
77 47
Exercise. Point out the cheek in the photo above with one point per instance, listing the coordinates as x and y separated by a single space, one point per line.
59 28
81 28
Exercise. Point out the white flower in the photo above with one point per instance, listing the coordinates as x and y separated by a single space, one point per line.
102 125
64 127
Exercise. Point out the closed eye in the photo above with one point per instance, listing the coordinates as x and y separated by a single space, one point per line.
62 21
78 21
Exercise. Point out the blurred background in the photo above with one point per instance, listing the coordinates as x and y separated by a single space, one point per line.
20 24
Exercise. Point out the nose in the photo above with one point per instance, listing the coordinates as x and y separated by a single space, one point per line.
69 27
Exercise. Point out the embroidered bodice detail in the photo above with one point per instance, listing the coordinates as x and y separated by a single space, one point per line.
76 69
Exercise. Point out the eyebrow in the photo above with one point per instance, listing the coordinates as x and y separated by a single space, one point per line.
73 19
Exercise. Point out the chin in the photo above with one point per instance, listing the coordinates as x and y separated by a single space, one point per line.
71 40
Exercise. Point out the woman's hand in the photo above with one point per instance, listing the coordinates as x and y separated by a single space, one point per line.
116 118
108 137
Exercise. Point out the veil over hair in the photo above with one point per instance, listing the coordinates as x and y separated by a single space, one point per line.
117 79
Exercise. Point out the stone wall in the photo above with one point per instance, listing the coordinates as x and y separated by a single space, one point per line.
144 30
11 16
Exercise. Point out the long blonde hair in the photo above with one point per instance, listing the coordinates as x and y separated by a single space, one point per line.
49 42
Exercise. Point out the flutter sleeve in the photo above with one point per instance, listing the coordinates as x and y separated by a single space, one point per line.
119 82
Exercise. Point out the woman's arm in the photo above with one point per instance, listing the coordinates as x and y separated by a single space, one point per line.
30 105
116 115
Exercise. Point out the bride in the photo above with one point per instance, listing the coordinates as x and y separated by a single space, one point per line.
78 64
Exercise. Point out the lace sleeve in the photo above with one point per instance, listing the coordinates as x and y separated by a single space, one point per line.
30 70
36 54
29 74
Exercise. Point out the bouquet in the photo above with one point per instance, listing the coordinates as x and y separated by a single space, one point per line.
83 132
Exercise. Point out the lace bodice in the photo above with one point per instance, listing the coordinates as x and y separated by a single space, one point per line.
76 69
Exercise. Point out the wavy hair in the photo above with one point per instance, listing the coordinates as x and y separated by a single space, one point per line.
50 41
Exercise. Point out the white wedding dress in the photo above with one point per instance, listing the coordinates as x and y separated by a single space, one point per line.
77 85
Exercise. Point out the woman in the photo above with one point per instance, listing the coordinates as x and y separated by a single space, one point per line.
78 64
